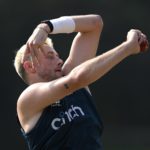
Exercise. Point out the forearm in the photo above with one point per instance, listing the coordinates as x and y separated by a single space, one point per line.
87 23
95 68
83 23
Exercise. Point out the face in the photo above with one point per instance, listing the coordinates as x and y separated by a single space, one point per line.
49 66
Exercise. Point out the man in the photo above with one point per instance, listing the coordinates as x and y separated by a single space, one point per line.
56 111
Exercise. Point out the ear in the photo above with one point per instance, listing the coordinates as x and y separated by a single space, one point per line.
28 66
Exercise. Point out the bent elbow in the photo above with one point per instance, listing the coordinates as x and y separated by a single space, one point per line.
98 21
77 79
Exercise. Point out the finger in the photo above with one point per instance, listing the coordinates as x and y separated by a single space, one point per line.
39 36
42 50
33 54
144 45
136 30
142 37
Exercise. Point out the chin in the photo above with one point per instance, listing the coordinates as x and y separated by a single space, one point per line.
59 74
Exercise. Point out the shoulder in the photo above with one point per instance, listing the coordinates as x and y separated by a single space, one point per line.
27 115
25 99
26 94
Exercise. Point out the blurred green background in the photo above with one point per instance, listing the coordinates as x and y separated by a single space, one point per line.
122 96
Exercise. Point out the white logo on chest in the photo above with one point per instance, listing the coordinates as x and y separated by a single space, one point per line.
67 116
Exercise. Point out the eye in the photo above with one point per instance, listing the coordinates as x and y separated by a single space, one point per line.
57 55
51 56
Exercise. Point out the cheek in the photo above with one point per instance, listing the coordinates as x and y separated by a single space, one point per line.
47 66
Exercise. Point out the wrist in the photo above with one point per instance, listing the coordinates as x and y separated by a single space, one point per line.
64 24
131 47
45 27
48 24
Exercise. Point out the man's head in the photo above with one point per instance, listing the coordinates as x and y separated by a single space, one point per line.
43 65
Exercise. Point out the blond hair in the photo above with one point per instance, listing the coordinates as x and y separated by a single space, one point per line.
18 61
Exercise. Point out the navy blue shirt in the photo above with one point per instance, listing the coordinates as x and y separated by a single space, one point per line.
70 124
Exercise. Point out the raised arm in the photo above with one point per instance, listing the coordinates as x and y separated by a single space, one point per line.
86 42
40 95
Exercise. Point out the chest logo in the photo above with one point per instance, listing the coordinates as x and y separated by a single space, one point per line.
67 116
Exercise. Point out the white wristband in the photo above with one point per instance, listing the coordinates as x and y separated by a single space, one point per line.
63 25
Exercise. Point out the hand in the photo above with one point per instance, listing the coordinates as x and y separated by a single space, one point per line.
36 40
38 36
136 39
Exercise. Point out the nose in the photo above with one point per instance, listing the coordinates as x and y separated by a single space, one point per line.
60 62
